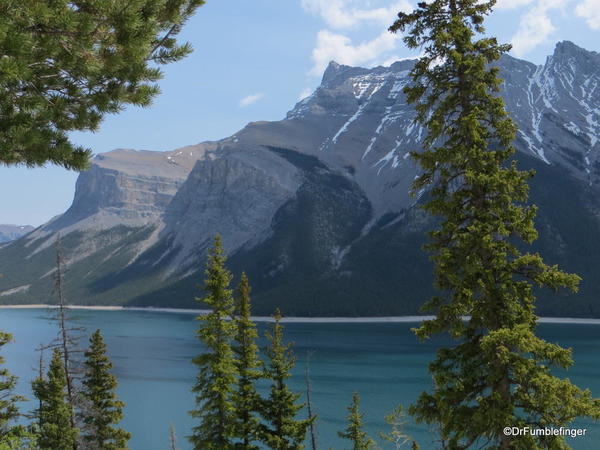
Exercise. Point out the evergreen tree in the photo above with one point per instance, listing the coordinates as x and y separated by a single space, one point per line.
55 431
101 408
248 364
217 368
397 421
9 411
65 64
36 425
354 431
281 430
172 438
498 373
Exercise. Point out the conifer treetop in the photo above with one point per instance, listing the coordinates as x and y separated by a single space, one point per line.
498 373
249 367
9 410
102 409
354 431
56 430
64 65
217 372
282 431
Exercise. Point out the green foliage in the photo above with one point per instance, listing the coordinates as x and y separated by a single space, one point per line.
354 431
397 421
9 411
217 367
55 430
228 406
66 64
498 374
245 398
21 439
101 407
281 430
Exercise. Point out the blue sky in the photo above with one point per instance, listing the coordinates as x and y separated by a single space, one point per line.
254 60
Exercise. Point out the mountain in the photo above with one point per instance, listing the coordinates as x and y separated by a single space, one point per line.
12 232
316 207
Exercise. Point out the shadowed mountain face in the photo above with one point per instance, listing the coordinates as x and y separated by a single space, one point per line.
316 208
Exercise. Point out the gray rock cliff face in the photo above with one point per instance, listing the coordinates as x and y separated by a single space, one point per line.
358 120
305 196
128 187
230 192
556 107
122 188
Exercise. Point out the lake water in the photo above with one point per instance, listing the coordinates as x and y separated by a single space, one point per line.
151 352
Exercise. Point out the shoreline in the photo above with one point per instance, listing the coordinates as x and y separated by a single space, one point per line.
376 319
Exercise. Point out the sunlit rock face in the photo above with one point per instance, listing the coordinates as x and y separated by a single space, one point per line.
317 207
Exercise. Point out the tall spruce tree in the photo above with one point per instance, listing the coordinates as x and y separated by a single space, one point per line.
101 408
245 398
281 430
9 410
65 64
354 431
216 378
55 414
498 373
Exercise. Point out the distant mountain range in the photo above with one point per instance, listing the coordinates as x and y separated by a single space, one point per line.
316 207
12 232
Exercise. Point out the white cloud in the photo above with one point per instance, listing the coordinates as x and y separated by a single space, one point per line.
391 60
352 14
590 11
305 93
342 14
394 59
512 4
246 101
535 26
338 47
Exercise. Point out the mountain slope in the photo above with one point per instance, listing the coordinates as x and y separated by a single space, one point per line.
316 207
12 232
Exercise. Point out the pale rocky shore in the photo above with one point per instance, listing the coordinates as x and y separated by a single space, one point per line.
390 319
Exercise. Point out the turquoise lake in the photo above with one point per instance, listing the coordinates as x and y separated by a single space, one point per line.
151 352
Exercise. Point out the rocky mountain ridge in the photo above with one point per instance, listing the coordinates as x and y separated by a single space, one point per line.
317 206
12 232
